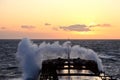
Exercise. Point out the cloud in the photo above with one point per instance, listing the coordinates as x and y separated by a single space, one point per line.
76 27
54 28
3 28
47 24
101 25
27 26
81 27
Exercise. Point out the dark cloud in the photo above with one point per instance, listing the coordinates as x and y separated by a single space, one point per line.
27 26
101 25
76 27
47 24
3 28
81 27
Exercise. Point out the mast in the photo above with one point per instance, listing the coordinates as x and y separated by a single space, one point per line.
68 51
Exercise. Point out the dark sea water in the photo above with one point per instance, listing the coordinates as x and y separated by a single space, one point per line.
107 50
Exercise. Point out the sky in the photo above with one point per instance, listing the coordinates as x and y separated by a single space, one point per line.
60 19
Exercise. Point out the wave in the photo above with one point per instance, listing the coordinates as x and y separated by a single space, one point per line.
31 55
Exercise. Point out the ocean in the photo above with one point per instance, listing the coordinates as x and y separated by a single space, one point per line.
107 50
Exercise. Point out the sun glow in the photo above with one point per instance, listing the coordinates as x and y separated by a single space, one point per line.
88 16
92 23
85 33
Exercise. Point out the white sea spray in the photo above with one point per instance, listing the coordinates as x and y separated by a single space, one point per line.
31 55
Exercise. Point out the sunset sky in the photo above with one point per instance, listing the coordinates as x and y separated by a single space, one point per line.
60 19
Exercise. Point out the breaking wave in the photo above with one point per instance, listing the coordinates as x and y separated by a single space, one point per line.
31 55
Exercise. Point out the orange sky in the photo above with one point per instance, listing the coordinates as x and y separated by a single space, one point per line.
60 19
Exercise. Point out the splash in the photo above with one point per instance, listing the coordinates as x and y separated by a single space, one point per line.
26 54
31 55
